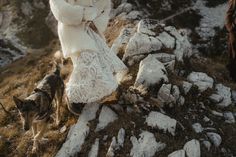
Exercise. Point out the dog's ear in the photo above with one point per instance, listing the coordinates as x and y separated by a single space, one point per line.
18 102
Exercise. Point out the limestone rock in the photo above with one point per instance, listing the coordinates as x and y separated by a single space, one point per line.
106 116
202 80
78 132
146 145
151 72
178 153
192 148
162 122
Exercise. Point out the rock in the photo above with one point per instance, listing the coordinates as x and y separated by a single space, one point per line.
225 93
141 44
192 148
151 72
78 132
112 148
186 87
217 113
63 129
215 98
167 40
94 150
229 117
202 80
27 9
146 26
168 94
51 22
162 122
146 145
123 8
207 144
106 116
197 127
164 57
178 153
214 138
234 96
122 40
183 48
134 15
121 137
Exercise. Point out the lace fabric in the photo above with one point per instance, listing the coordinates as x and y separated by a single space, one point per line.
93 76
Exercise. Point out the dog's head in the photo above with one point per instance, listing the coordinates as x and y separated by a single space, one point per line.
27 110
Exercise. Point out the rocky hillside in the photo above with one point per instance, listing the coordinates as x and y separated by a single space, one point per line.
177 99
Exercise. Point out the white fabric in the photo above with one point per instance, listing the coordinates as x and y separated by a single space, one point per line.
72 17
95 65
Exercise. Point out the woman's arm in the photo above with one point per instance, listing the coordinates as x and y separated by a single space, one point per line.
71 14
230 25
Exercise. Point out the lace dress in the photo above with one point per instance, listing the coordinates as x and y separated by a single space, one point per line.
95 73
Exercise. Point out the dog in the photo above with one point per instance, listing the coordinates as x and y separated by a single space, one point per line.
36 109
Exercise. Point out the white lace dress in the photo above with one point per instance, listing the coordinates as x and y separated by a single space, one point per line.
95 73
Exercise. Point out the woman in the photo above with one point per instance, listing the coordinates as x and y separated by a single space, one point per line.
81 24
231 27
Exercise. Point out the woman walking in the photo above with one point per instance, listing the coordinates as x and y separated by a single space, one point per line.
81 24
231 27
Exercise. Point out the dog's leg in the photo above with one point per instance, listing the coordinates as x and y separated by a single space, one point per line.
38 136
59 96
34 129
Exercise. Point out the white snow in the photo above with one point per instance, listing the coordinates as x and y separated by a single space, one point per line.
78 132
192 148
162 122
106 116
146 145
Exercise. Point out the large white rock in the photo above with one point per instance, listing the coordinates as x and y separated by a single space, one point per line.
106 117
146 145
94 150
192 148
78 132
151 72
167 40
202 80
225 93
122 40
183 48
140 44
178 153
162 122
168 94
214 138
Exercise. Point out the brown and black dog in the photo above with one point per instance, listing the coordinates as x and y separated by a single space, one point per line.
36 109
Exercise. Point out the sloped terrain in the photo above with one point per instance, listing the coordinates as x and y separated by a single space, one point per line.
173 102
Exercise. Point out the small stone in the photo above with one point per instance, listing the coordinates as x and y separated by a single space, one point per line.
207 144
197 127
215 98
94 150
229 117
106 116
217 113
63 129
162 122
112 148
202 80
186 87
121 137
192 148
146 145
225 93
178 153
214 138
